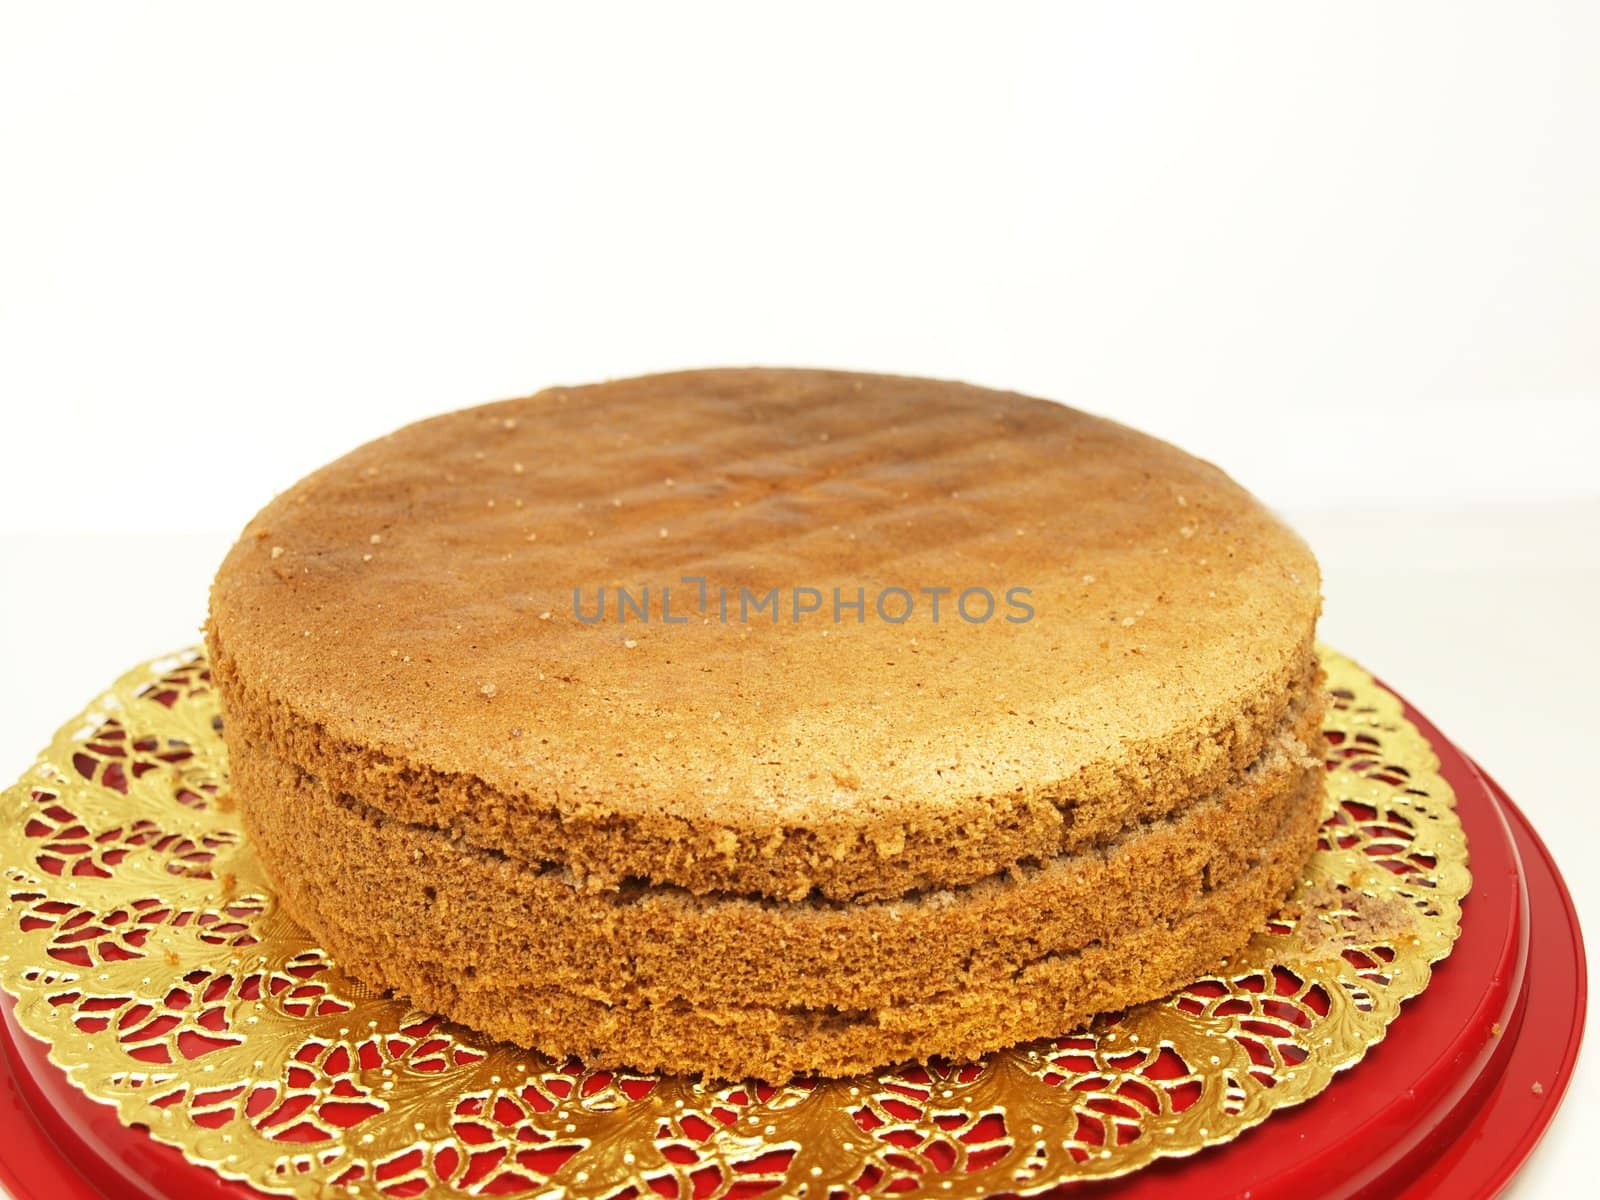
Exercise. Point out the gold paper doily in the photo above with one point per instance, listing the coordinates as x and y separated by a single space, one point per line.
142 942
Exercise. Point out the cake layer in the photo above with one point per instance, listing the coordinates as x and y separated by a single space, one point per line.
347 876
403 624
605 855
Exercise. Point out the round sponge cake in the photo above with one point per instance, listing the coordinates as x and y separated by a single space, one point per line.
777 653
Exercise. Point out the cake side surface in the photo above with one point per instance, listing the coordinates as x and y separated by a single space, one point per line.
445 907
734 988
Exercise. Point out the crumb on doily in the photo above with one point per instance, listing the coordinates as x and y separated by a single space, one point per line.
1347 915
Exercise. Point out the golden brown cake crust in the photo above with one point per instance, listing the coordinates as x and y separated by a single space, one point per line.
388 614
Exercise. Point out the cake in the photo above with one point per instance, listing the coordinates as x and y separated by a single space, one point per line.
759 723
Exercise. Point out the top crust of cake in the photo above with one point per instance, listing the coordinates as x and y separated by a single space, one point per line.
403 621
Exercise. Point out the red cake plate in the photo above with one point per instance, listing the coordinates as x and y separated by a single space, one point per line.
1450 1104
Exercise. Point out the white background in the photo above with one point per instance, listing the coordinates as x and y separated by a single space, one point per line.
1350 252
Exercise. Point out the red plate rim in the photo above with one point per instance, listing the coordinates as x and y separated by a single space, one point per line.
1452 1104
